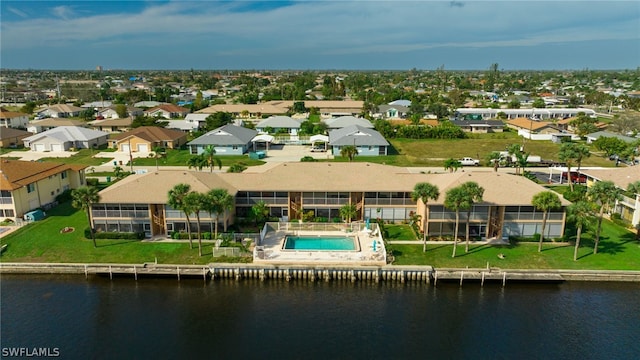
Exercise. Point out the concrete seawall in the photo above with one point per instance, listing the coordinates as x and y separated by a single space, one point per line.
389 273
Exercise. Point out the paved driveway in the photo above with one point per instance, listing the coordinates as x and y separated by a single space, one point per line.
37 155
292 153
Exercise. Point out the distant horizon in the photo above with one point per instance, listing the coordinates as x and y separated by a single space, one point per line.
320 35
319 70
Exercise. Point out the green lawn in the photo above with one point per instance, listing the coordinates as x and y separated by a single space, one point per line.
43 242
430 152
400 232
180 157
618 250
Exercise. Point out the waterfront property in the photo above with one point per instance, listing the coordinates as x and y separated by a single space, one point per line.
628 206
319 190
27 185
550 113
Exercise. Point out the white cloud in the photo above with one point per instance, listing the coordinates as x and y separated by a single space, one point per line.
63 12
17 12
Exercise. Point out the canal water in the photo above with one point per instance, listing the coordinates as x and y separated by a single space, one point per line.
225 319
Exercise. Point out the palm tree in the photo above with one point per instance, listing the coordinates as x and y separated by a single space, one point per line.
581 213
452 165
177 201
349 151
348 211
219 201
425 192
634 187
158 152
545 201
454 200
196 202
515 150
82 198
582 152
473 193
209 154
197 162
568 154
260 211
605 194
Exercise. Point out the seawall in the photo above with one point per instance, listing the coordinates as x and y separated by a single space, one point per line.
392 273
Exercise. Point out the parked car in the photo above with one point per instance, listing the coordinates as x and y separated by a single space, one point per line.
576 177
467 161
318 149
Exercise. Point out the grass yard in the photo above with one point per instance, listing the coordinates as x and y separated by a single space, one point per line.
81 157
433 152
43 242
180 157
400 232
618 250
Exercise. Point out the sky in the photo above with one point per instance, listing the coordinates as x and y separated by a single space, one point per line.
320 34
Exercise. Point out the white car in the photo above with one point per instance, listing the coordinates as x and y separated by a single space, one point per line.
467 161
318 149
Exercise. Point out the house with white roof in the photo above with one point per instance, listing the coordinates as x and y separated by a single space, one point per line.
279 124
346 121
367 141
63 138
191 122
61 111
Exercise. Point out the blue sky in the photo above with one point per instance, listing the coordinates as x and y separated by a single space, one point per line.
316 34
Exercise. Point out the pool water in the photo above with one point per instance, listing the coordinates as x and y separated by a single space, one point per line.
319 243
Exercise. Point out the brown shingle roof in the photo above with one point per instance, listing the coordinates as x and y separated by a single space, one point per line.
153 187
152 134
16 174
528 124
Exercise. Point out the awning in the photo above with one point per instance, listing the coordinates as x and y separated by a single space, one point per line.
319 138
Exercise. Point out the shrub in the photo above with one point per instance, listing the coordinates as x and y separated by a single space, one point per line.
577 194
64 197
92 182
114 235
206 236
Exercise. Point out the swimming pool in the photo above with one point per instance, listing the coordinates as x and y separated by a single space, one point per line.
319 243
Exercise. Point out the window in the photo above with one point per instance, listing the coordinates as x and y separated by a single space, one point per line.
31 187
63 174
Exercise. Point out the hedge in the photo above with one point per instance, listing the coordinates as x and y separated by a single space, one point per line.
114 235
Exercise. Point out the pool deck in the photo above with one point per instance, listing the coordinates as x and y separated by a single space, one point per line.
270 250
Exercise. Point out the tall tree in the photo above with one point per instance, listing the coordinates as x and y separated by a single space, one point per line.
582 152
177 201
473 193
580 213
568 154
197 162
209 154
455 200
219 201
605 194
196 202
82 198
349 151
424 192
545 201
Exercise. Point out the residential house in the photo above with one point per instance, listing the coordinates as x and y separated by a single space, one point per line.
167 111
479 126
279 125
533 126
97 104
629 206
37 126
29 185
346 121
139 202
192 122
13 119
367 141
146 138
226 140
64 138
12 138
326 108
148 104
245 111
60 111
111 113
596 135
116 125
394 112
549 113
